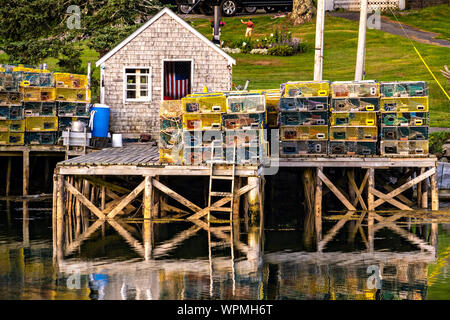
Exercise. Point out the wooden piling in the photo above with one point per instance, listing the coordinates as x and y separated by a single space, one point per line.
318 205
434 192
423 195
26 172
253 199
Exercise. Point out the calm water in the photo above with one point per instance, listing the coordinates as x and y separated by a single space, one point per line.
282 262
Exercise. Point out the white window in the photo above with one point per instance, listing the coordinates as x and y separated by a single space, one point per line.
137 86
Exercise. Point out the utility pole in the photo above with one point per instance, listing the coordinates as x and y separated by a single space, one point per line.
320 24
216 35
359 70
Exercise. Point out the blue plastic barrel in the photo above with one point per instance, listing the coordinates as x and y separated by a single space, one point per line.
99 120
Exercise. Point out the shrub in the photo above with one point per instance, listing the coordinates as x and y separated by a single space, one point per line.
281 50
259 51
437 139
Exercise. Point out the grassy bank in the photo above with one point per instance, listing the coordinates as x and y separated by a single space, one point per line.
388 57
434 19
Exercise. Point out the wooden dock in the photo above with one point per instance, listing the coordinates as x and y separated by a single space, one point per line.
85 184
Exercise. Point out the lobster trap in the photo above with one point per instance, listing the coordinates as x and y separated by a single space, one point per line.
73 95
205 103
306 89
73 109
10 98
11 113
202 121
65 123
404 119
353 119
292 133
37 94
301 148
246 103
201 138
171 123
12 138
69 80
404 133
7 82
355 89
40 109
170 139
243 137
304 104
12 125
295 118
248 154
272 97
404 89
46 138
272 119
199 155
170 108
41 124
354 133
171 156
419 147
415 104
244 121
352 148
355 104
34 79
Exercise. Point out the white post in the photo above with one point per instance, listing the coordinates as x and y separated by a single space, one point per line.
361 41
318 57
89 79
102 88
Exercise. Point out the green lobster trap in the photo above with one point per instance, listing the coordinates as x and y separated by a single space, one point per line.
294 149
202 138
170 139
40 109
415 104
294 118
404 119
12 125
10 98
171 123
12 138
65 123
304 104
243 121
73 95
404 89
73 109
44 138
11 113
352 148
404 133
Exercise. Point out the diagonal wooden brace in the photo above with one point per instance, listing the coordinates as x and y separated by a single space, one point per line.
84 200
335 190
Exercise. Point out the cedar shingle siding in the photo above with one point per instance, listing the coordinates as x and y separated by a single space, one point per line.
165 38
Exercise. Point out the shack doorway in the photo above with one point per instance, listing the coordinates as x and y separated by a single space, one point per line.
177 79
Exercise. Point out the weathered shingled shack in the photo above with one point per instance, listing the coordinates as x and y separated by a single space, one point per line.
165 58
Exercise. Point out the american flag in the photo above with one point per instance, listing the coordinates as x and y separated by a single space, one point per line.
176 79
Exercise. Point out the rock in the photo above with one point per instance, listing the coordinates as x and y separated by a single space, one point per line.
446 149
443 159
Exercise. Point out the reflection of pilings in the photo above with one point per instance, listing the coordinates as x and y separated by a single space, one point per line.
60 216
254 199
25 224
318 205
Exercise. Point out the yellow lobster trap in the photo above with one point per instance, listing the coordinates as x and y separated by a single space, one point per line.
408 104
353 118
73 95
171 156
69 80
354 133
410 147
246 103
12 125
37 94
41 124
202 121
205 103
294 133
12 138
170 108
306 89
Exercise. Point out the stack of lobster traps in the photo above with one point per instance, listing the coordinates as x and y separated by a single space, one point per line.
353 118
36 105
170 137
404 118
304 118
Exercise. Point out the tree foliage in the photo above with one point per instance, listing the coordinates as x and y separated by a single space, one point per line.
32 30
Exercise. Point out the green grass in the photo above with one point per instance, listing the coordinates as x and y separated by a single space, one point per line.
434 19
388 57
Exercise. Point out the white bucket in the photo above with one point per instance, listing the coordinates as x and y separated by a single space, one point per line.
117 140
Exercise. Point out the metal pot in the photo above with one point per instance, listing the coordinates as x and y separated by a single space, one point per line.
78 126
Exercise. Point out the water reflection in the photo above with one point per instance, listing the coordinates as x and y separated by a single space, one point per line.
358 256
